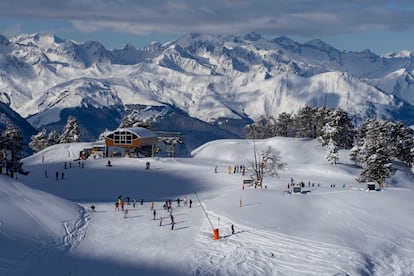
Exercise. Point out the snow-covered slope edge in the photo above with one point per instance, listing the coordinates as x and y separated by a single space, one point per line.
33 224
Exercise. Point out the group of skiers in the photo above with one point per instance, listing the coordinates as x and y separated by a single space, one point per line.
120 203
65 166
236 169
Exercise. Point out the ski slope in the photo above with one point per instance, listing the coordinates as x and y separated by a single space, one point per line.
47 227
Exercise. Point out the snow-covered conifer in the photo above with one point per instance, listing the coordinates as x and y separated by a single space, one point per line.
305 122
39 141
52 138
71 132
12 146
377 165
328 132
344 128
253 131
358 152
284 125
401 142
331 153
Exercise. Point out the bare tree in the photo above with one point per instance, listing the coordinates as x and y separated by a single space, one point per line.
268 162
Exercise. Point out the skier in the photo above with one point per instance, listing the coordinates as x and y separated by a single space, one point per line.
185 201
93 208
191 202
57 175
178 202
122 205
232 229
134 202
45 173
142 201
155 214
116 206
152 205
172 222
125 213
147 165
62 175
65 166
160 221
128 199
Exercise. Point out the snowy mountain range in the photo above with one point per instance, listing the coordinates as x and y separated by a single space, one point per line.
219 82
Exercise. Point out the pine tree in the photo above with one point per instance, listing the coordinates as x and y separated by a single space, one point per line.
377 165
39 141
327 133
344 129
401 142
52 138
305 122
331 153
358 152
284 125
322 116
71 132
253 131
12 146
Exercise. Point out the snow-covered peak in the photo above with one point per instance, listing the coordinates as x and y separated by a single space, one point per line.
4 41
253 36
209 77
320 45
287 43
41 40
401 54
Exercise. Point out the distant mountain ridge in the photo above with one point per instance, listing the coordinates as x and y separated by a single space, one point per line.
210 78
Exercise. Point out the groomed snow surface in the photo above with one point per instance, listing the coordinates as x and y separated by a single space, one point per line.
47 227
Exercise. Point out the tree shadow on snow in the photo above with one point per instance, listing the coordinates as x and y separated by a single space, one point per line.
251 204
69 264
229 235
100 184
130 217
184 227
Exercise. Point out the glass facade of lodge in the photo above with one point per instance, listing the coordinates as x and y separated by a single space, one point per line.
123 137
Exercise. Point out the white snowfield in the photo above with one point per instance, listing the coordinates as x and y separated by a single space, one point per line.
47 227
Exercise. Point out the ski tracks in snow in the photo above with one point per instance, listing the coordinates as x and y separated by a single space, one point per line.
262 252
76 231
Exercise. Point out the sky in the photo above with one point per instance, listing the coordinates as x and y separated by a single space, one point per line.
379 25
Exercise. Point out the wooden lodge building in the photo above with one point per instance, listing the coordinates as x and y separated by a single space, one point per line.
129 142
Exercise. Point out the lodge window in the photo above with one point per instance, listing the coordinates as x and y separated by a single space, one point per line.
123 137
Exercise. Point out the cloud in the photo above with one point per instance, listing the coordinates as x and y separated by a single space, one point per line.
308 18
